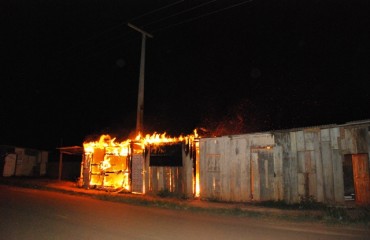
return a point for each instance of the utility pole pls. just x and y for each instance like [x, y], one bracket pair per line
[140, 100]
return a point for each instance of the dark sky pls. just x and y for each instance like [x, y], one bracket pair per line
[70, 69]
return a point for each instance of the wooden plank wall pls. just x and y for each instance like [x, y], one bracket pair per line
[312, 165]
[225, 168]
[211, 154]
[294, 197]
[278, 184]
[164, 178]
[177, 180]
[282, 147]
[187, 174]
[327, 166]
[306, 163]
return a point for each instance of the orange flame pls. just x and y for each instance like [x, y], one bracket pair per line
[108, 146]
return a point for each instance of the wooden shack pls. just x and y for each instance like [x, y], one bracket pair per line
[329, 164]
[140, 168]
[20, 161]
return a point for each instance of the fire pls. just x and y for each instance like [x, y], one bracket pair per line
[157, 138]
[109, 159]
[105, 164]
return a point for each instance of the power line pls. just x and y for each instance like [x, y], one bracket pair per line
[179, 13]
[121, 24]
[171, 25]
[204, 15]
[156, 10]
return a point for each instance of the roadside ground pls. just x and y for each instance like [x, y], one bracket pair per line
[349, 214]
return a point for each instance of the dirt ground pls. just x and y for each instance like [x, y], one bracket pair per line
[349, 214]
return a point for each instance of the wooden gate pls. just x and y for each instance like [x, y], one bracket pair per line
[361, 177]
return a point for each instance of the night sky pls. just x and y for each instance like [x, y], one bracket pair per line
[70, 69]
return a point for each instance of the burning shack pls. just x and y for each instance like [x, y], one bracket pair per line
[149, 164]
[328, 163]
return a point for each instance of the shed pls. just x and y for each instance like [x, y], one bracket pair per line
[327, 163]
[19, 161]
[138, 167]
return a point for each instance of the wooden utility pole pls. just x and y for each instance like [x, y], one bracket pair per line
[140, 100]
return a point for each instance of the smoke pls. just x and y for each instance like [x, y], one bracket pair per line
[241, 118]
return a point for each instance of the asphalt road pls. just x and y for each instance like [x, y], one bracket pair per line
[36, 214]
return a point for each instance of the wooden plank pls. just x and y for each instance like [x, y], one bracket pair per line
[334, 138]
[203, 176]
[327, 165]
[368, 144]
[181, 183]
[244, 170]
[301, 166]
[230, 155]
[263, 176]
[161, 179]
[248, 166]
[271, 173]
[311, 171]
[309, 140]
[210, 165]
[235, 171]
[154, 179]
[319, 166]
[177, 179]
[217, 169]
[301, 184]
[311, 164]
[338, 176]
[150, 186]
[146, 172]
[224, 173]
[255, 176]
[293, 169]
[300, 141]
[278, 170]
[361, 139]
[353, 139]
[171, 179]
[350, 141]
[168, 178]
[261, 139]
[312, 185]
[343, 142]
[325, 135]
[186, 180]
[284, 140]
[361, 178]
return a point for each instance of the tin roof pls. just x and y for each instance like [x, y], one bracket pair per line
[72, 150]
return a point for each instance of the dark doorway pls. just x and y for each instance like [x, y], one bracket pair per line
[349, 187]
